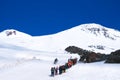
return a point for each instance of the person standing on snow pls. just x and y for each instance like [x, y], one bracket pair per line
[55, 61]
[52, 71]
[56, 71]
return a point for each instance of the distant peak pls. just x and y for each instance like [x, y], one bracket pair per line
[13, 33]
[99, 30]
[10, 32]
[94, 28]
[92, 25]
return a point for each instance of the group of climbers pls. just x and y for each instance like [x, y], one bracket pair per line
[62, 68]
[70, 63]
[54, 71]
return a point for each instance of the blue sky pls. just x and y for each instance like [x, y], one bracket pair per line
[42, 17]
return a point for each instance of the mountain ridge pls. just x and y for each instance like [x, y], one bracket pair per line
[86, 36]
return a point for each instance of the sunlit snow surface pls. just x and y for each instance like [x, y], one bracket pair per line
[28, 65]
[25, 57]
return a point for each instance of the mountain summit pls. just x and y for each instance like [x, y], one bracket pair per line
[92, 37]
[13, 33]
[101, 30]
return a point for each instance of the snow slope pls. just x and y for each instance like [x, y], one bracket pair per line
[31, 65]
[25, 57]
[39, 70]
[86, 36]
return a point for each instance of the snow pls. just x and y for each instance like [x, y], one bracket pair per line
[40, 70]
[25, 57]
[78, 36]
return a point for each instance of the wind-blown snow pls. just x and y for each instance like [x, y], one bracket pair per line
[25, 57]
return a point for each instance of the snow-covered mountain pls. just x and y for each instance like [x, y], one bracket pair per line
[26, 57]
[92, 36]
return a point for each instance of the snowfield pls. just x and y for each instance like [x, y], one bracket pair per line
[40, 70]
[25, 57]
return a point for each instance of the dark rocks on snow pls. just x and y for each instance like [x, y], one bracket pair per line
[114, 57]
[85, 55]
